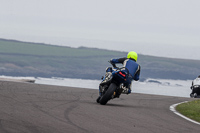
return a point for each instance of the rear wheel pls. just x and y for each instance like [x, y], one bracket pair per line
[108, 95]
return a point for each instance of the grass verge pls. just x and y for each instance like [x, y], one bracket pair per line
[190, 109]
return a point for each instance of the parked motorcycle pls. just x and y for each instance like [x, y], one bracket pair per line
[114, 84]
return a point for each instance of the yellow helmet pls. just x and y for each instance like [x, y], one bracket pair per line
[132, 55]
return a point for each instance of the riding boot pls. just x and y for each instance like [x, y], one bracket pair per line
[126, 89]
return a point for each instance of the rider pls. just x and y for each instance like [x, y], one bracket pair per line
[195, 87]
[128, 62]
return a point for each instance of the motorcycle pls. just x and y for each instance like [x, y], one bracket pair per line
[114, 83]
[195, 91]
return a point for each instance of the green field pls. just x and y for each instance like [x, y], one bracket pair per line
[30, 59]
[16, 47]
[41, 60]
[190, 110]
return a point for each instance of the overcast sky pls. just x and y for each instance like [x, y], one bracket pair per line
[168, 28]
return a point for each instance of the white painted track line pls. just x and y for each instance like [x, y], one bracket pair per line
[172, 108]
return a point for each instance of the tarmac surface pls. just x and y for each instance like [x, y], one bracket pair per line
[34, 108]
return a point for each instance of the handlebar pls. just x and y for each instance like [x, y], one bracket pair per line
[114, 65]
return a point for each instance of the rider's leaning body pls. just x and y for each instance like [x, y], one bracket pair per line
[196, 81]
[128, 62]
[131, 65]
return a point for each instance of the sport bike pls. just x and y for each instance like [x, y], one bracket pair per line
[114, 83]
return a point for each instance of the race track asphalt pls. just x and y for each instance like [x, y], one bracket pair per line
[34, 108]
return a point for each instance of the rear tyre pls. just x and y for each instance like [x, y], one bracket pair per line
[108, 95]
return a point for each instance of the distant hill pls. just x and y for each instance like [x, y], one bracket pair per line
[41, 60]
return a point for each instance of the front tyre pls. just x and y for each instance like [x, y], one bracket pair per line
[108, 95]
[98, 99]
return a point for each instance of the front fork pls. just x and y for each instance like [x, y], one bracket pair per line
[106, 80]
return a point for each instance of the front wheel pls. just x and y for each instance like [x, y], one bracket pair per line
[98, 99]
[108, 95]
